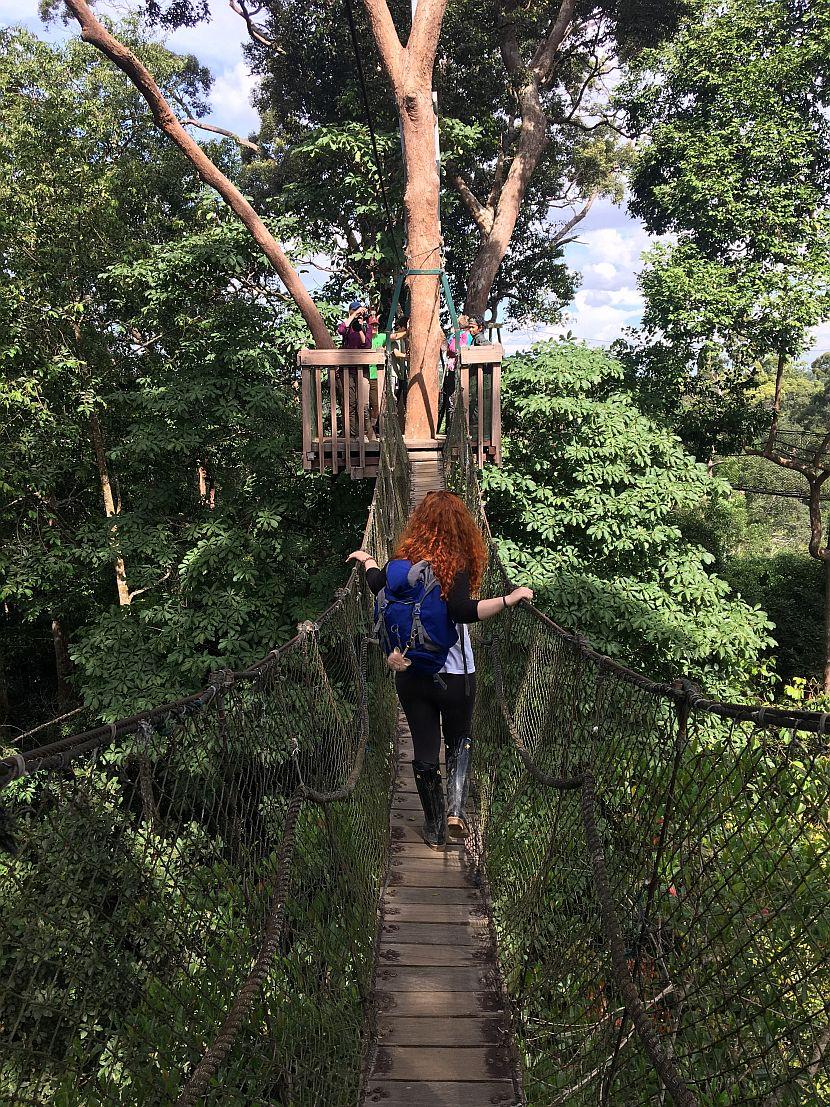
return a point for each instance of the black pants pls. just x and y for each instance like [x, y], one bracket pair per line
[429, 707]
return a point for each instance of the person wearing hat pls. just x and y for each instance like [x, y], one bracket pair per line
[356, 331]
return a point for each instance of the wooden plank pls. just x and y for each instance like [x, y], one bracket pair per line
[480, 415]
[362, 399]
[440, 862]
[408, 834]
[400, 1093]
[481, 355]
[430, 912]
[435, 978]
[407, 801]
[318, 391]
[430, 1004]
[347, 429]
[411, 851]
[408, 953]
[335, 358]
[492, 1030]
[473, 1063]
[305, 389]
[429, 934]
[465, 390]
[425, 878]
[333, 402]
[403, 894]
[497, 411]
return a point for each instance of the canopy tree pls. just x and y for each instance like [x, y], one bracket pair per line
[588, 507]
[735, 166]
[148, 499]
[528, 136]
[542, 72]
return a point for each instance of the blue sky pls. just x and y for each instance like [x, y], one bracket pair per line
[606, 253]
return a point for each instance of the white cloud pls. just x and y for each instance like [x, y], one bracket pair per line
[217, 44]
[231, 100]
[821, 341]
[606, 255]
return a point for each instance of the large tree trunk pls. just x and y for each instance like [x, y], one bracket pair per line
[826, 682]
[94, 32]
[410, 74]
[109, 507]
[423, 252]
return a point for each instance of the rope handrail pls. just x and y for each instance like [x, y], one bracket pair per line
[180, 866]
[658, 866]
[205, 875]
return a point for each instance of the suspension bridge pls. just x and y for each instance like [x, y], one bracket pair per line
[224, 899]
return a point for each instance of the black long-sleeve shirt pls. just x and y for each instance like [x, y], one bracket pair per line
[460, 607]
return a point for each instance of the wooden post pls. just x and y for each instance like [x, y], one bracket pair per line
[333, 402]
[318, 393]
[496, 422]
[305, 388]
[360, 385]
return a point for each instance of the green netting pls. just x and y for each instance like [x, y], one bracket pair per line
[652, 856]
[188, 900]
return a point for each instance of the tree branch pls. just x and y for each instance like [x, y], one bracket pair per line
[560, 235]
[481, 216]
[499, 175]
[423, 40]
[386, 37]
[141, 591]
[546, 51]
[256, 33]
[94, 32]
[245, 143]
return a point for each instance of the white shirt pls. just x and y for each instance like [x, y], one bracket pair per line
[455, 660]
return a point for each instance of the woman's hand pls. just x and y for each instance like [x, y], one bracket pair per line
[517, 595]
[361, 556]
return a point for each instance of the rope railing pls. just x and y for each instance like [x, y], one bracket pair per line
[657, 864]
[188, 897]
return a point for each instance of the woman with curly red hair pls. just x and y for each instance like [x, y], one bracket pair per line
[440, 547]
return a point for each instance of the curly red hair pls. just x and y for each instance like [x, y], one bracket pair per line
[442, 531]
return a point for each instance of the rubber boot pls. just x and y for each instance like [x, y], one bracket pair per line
[458, 785]
[431, 793]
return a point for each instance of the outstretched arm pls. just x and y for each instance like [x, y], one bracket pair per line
[462, 609]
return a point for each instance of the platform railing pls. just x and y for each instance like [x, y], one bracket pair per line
[480, 369]
[338, 431]
[340, 407]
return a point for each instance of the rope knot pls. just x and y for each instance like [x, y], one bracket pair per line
[221, 679]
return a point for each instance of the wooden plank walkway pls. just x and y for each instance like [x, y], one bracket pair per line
[441, 1034]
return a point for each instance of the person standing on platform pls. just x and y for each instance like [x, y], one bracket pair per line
[356, 332]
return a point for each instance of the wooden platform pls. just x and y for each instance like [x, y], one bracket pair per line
[441, 1034]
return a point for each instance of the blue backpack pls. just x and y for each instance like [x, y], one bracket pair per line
[411, 616]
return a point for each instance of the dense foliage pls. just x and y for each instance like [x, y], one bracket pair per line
[586, 507]
[138, 317]
[733, 164]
